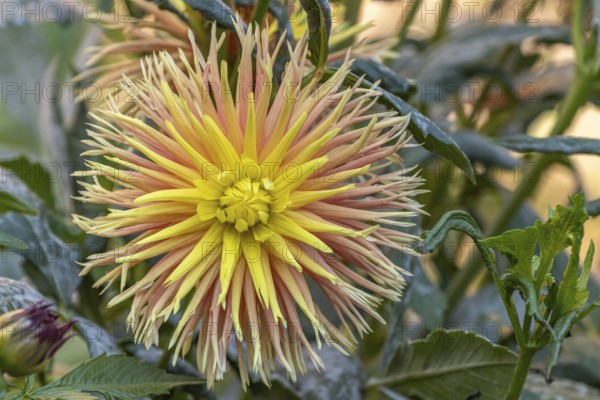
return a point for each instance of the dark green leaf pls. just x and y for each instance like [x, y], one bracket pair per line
[429, 134]
[153, 356]
[427, 300]
[48, 258]
[10, 241]
[537, 388]
[412, 264]
[554, 144]
[38, 177]
[484, 313]
[518, 279]
[452, 220]
[468, 49]
[163, 5]
[562, 329]
[318, 15]
[99, 341]
[374, 71]
[115, 377]
[580, 359]
[553, 236]
[15, 294]
[10, 203]
[519, 246]
[214, 10]
[479, 150]
[450, 365]
[592, 208]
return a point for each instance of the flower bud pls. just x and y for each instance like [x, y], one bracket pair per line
[29, 337]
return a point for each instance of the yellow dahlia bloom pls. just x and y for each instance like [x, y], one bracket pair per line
[247, 196]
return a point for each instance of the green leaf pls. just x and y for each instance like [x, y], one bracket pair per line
[98, 340]
[429, 134]
[374, 71]
[458, 221]
[318, 16]
[519, 246]
[480, 150]
[49, 261]
[468, 50]
[214, 10]
[7, 240]
[592, 208]
[38, 177]
[15, 294]
[537, 388]
[417, 285]
[554, 144]
[566, 298]
[114, 377]
[452, 220]
[10, 203]
[482, 311]
[519, 279]
[582, 293]
[562, 328]
[450, 365]
[554, 235]
[580, 359]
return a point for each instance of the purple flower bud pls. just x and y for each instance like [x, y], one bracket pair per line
[29, 337]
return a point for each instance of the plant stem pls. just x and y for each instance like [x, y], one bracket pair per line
[408, 20]
[576, 97]
[163, 361]
[441, 26]
[520, 375]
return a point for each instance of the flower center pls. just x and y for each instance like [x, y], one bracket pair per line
[244, 204]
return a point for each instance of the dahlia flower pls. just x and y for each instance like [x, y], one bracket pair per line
[29, 338]
[162, 30]
[247, 198]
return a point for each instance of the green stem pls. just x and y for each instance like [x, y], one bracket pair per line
[441, 26]
[165, 357]
[520, 375]
[260, 11]
[352, 11]
[576, 97]
[513, 315]
[527, 10]
[410, 17]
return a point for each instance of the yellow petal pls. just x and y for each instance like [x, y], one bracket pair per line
[279, 152]
[186, 173]
[294, 175]
[189, 225]
[286, 227]
[229, 258]
[220, 146]
[250, 137]
[206, 246]
[300, 198]
[183, 195]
